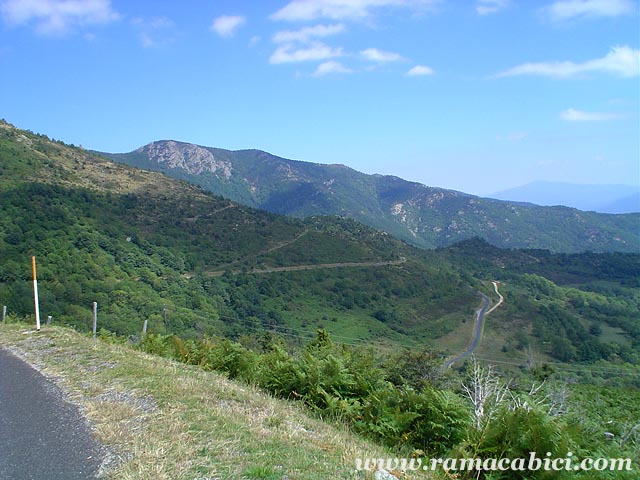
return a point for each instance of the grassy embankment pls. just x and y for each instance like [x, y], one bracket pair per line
[162, 419]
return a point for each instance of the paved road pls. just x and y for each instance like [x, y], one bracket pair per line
[42, 436]
[477, 331]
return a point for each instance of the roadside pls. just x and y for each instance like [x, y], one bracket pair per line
[165, 420]
[42, 435]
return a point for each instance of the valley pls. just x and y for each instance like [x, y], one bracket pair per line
[348, 321]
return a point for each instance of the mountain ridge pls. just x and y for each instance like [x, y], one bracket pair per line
[419, 214]
[142, 245]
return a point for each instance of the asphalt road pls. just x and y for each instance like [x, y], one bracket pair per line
[477, 332]
[42, 436]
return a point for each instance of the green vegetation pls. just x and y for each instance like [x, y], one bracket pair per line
[147, 253]
[146, 247]
[162, 420]
[420, 215]
[380, 396]
[361, 344]
[582, 307]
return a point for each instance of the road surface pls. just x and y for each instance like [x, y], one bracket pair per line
[479, 325]
[42, 436]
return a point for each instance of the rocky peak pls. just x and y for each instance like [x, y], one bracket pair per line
[193, 159]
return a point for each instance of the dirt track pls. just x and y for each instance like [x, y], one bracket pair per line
[318, 266]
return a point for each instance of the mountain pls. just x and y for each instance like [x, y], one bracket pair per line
[147, 247]
[347, 321]
[421, 215]
[598, 198]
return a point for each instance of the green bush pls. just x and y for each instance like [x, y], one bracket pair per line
[514, 433]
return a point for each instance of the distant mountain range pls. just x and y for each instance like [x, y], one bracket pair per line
[424, 216]
[597, 198]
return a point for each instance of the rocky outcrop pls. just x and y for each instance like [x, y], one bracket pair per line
[193, 159]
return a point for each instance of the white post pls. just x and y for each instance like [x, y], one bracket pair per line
[95, 318]
[4, 313]
[35, 293]
[49, 320]
[144, 327]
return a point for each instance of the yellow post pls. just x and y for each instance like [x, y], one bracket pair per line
[35, 292]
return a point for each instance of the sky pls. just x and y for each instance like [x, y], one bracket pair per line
[477, 95]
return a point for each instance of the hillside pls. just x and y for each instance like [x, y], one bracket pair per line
[162, 420]
[347, 321]
[575, 308]
[424, 216]
[147, 247]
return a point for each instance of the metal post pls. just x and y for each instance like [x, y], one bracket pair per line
[144, 327]
[4, 313]
[35, 293]
[95, 318]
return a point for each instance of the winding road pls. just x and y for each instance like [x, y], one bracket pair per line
[479, 325]
[42, 436]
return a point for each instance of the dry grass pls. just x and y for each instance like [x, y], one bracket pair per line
[163, 420]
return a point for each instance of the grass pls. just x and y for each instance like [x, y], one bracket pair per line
[164, 420]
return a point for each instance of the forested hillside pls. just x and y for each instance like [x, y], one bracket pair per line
[422, 215]
[351, 322]
[146, 247]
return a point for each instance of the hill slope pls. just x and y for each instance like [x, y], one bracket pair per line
[139, 405]
[147, 247]
[424, 216]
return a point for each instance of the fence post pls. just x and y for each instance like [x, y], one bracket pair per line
[49, 320]
[35, 292]
[144, 327]
[95, 318]
[4, 313]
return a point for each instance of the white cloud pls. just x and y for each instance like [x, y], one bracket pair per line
[573, 115]
[316, 51]
[304, 10]
[154, 32]
[53, 17]
[566, 9]
[330, 67]
[306, 34]
[420, 70]
[487, 7]
[622, 61]
[227, 25]
[375, 55]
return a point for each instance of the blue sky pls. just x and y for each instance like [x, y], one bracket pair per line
[477, 95]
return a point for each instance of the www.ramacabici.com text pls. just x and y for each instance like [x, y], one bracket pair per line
[532, 463]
